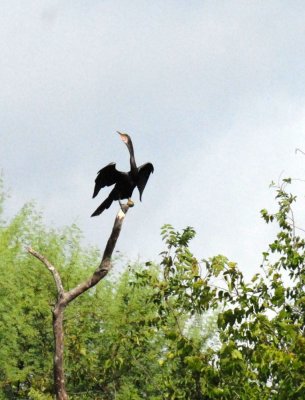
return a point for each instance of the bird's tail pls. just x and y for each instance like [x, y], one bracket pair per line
[105, 204]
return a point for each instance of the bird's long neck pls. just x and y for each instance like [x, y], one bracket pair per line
[133, 165]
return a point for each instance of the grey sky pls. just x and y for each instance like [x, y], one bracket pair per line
[211, 92]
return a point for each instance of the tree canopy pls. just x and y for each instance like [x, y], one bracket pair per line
[187, 328]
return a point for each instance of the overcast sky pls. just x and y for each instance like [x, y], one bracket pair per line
[211, 92]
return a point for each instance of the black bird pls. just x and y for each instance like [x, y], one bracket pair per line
[124, 182]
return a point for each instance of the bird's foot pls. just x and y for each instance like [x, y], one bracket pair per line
[130, 203]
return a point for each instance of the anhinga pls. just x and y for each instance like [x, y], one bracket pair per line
[124, 182]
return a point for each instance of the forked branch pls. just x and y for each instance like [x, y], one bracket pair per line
[64, 298]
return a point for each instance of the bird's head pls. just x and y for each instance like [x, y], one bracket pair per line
[125, 138]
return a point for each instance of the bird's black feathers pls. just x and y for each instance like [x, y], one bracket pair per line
[124, 182]
[144, 171]
[105, 204]
[106, 176]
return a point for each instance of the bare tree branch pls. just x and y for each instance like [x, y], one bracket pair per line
[64, 298]
[105, 265]
[51, 268]
[301, 151]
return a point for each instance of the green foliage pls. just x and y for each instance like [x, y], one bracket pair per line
[184, 329]
[26, 295]
[260, 323]
[37, 395]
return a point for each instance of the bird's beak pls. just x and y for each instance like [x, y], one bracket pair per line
[123, 137]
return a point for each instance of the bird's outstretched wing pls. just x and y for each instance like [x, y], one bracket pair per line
[105, 204]
[106, 176]
[144, 171]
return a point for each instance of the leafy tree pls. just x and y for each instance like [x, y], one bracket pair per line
[184, 329]
[260, 323]
[26, 293]
[110, 351]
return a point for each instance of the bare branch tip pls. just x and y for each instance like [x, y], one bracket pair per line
[122, 212]
[299, 150]
[121, 215]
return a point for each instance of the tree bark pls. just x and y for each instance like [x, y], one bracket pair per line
[64, 298]
[58, 331]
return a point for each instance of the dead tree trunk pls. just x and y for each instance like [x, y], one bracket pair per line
[58, 331]
[64, 298]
